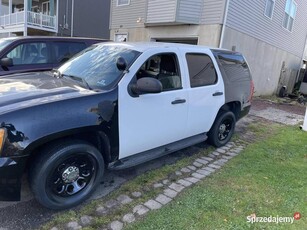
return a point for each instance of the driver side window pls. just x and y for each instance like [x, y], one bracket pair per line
[29, 53]
[163, 67]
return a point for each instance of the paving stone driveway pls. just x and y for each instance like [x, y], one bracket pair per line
[186, 177]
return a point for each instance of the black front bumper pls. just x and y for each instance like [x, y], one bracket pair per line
[11, 170]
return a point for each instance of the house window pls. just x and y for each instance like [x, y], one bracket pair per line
[290, 12]
[123, 2]
[46, 8]
[269, 8]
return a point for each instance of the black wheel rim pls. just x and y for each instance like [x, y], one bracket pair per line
[225, 128]
[72, 175]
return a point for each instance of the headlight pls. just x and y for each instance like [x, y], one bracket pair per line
[2, 138]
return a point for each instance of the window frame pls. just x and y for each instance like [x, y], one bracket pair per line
[126, 4]
[273, 8]
[292, 3]
[215, 69]
[46, 5]
[178, 67]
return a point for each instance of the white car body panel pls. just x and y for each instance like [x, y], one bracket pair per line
[150, 120]
[203, 106]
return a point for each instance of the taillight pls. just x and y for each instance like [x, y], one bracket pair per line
[2, 138]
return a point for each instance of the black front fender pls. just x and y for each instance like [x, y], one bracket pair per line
[11, 170]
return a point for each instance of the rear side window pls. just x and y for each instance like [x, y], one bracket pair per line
[29, 53]
[65, 50]
[201, 70]
[234, 66]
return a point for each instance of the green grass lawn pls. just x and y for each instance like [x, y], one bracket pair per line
[269, 178]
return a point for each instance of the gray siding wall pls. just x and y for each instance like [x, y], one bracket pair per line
[160, 11]
[247, 16]
[126, 16]
[213, 12]
[91, 18]
[265, 61]
[189, 11]
[64, 15]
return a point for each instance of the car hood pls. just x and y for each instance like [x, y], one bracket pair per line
[29, 89]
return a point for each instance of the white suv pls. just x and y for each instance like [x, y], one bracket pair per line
[115, 105]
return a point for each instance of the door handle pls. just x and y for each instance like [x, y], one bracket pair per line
[217, 94]
[179, 101]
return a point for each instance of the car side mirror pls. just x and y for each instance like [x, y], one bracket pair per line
[121, 64]
[6, 62]
[146, 85]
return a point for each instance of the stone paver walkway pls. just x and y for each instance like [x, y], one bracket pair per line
[186, 177]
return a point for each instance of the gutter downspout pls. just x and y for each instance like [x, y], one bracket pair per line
[224, 23]
[72, 18]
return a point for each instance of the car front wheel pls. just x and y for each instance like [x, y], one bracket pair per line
[66, 174]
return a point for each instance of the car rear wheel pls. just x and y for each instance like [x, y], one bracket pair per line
[222, 129]
[66, 174]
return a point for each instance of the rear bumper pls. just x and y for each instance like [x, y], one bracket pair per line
[244, 112]
[11, 170]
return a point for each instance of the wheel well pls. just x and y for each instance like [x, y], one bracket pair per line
[234, 107]
[98, 139]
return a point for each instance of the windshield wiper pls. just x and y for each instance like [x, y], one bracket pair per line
[58, 74]
[78, 79]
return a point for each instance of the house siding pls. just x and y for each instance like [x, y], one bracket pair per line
[161, 11]
[208, 12]
[247, 16]
[127, 16]
[64, 16]
[267, 62]
[97, 25]
[213, 12]
[189, 11]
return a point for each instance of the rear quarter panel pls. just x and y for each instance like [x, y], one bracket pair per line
[237, 80]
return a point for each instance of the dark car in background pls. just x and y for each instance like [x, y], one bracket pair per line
[24, 54]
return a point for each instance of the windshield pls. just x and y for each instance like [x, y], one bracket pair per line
[97, 65]
[4, 43]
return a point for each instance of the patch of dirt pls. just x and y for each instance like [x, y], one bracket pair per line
[291, 107]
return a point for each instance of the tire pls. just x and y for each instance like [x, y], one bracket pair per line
[65, 174]
[222, 129]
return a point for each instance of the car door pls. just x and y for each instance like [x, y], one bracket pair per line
[205, 90]
[151, 120]
[28, 56]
